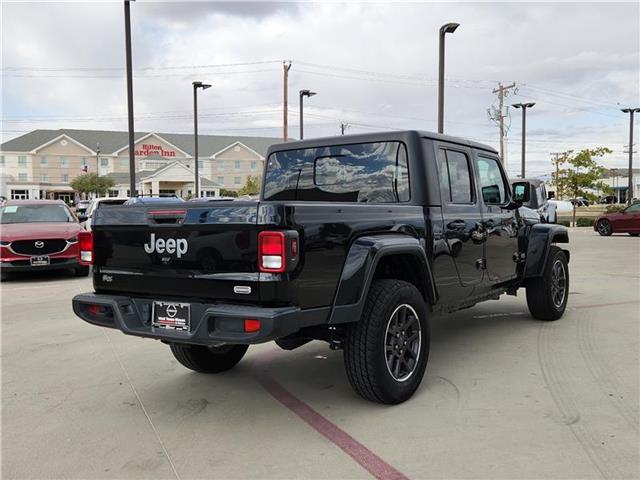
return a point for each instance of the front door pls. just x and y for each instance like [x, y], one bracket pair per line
[499, 224]
[461, 213]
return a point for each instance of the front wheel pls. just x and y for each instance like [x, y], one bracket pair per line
[547, 295]
[604, 228]
[208, 359]
[386, 352]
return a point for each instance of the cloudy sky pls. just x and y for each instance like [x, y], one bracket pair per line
[374, 66]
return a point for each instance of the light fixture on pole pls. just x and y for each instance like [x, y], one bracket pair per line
[524, 107]
[196, 86]
[303, 93]
[630, 111]
[132, 153]
[447, 28]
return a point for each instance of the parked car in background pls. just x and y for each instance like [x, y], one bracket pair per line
[625, 221]
[153, 200]
[96, 203]
[539, 200]
[81, 207]
[38, 235]
[608, 200]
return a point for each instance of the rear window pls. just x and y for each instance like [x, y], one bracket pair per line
[365, 172]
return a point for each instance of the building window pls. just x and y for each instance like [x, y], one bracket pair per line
[23, 177]
[254, 165]
[124, 162]
[65, 178]
[237, 180]
[64, 162]
[200, 164]
[104, 162]
[220, 164]
[44, 177]
[221, 180]
[19, 194]
[113, 193]
[237, 166]
[1, 159]
[44, 161]
[22, 161]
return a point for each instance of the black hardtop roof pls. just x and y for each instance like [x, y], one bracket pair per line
[376, 137]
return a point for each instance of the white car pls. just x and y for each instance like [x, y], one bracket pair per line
[85, 220]
[563, 207]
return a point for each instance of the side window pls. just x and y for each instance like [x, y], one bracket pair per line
[635, 208]
[492, 184]
[455, 177]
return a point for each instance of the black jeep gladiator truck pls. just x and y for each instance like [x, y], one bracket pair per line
[356, 240]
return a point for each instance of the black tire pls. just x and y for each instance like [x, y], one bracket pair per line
[4, 276]
[208, 359]
[543, 297]
[81, 271]
[604, 227]
[368, 342]
[634, 234]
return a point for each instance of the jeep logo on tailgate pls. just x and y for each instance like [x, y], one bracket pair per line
[179, 246]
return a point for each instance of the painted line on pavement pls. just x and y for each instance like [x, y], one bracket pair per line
[368, 460]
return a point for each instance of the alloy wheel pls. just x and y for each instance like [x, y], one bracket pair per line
[403, 340]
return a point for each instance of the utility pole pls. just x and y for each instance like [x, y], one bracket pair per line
[630, 111]
[556, 162]
[343, 127]
[497, 115]
[285, 111]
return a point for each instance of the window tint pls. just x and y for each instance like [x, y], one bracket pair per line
[368, 172]
[492, 183]
[455, 178]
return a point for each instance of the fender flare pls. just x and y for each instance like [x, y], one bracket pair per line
[359, 268]
[540, 238]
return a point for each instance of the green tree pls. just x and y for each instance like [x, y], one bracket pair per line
[228, 193]
[583, 174]
[92, 183]
[252, 187]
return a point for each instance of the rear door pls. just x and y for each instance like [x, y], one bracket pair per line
[201, 251]
[461, 212]
[499, 224]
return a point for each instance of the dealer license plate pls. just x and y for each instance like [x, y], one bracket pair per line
[171, 316]
[40, 261]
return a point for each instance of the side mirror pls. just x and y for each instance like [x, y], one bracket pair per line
[521, 192]
[551, 195]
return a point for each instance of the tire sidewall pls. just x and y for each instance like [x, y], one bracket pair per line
[604, 222]
[401, 391]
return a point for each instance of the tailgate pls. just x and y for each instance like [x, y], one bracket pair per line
[197, 251]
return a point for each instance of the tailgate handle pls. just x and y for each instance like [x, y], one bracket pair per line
[167, 216]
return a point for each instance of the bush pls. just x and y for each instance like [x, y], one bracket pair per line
[614, 208]
[585, 222]
[565, 223]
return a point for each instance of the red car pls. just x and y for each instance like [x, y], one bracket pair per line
[626, 221]
[38, 235]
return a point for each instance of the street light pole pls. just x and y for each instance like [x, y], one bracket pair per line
[303, 93]
[196, 86]
[524, 107]
[132, 153]
[630, 111]
[447, 28]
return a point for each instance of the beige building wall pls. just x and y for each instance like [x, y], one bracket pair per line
[231, 167]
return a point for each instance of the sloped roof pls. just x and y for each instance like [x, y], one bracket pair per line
[121, 178]
[110, 141]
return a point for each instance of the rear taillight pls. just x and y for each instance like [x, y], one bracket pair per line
[271, 252]
[85, 248]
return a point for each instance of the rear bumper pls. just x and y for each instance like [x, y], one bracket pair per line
[211, 324]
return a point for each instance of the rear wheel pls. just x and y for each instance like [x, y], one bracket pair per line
[547, 295]
[208, 359]
[604, 227]
[385, 353]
